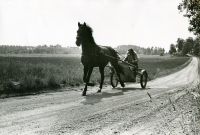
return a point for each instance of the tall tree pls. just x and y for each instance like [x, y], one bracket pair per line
[179, 44]
[163, 50]
[192, 8]
[152, 50]
[148, 51]
[188, 46]
[172, 49]
[190, 41]
[155, 51]
[196, 46]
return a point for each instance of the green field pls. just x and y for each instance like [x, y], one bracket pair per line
[40, 55]
[159, 66]
[24, 73]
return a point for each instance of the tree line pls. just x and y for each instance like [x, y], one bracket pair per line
[141, 50]
[58, 49]
[185, 46]
[40, 49]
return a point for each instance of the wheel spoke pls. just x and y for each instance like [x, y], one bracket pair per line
[113, 80]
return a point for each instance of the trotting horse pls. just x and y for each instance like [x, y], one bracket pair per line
[94, 55]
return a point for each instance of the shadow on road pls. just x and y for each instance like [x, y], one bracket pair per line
[131, 89]
[96, 98]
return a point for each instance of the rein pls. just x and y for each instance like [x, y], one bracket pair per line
[99, 48]
[108, 56]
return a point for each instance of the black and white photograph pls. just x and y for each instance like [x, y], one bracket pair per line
[99, 67]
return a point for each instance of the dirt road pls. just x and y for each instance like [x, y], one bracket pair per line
[114, 111]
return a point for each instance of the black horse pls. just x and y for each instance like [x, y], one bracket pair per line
[94, 55]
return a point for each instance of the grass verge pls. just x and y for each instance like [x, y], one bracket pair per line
[164, 72]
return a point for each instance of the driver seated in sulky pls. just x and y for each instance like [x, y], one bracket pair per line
[132, 58]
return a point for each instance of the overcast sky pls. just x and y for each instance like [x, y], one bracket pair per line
[143, 23]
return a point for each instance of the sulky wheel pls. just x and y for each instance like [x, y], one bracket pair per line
[113, 80]
[143, 79]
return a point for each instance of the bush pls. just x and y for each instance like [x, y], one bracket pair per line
[39, 83]
[53, 83]
[178, 54]
[8, 87]
[27, 83]
[161, 54]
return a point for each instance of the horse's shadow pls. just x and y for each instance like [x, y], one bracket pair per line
[97, 97]
[131, 89]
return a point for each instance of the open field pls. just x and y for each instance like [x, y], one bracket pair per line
[72, 55]
[40, 55]
[26, 73]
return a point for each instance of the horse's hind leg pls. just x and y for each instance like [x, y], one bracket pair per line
[101, 69]
[87, 80]
[122, 84]
[115, 65]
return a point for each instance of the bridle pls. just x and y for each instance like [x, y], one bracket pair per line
[80, 37]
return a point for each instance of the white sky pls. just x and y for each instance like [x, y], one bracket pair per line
[143, 23]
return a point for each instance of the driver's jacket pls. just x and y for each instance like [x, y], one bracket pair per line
[133, 59]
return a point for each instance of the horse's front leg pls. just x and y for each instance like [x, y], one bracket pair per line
[101, 69]
[87, 80]
[85, 71]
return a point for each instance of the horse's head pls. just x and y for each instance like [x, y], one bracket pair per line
[84, 34]
[81, 33]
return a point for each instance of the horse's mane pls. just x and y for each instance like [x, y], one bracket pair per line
[89, 31]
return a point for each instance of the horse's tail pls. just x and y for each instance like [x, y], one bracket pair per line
[114, 61]
[121, 69]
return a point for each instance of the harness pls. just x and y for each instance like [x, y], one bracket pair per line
[95, 49]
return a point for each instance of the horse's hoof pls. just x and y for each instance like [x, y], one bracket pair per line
[123, 85]
[84, 94]
[99, 91]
